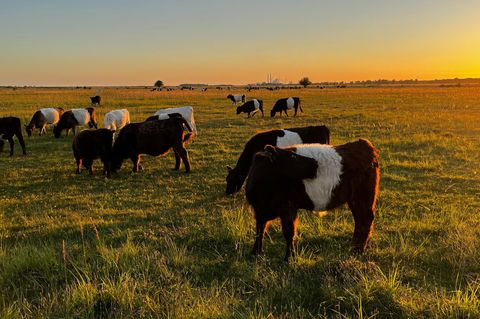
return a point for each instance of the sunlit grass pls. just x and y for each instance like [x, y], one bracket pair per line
[165, 244]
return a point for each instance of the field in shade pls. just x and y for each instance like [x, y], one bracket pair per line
[161, 243]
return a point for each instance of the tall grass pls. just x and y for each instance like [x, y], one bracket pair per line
[165, 244]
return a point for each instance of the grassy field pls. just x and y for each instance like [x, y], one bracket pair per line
[165, 244]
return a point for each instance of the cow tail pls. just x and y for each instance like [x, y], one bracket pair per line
[186, 137]
[184, 122]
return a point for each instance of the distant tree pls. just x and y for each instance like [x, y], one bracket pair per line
[305, 82]
[158, 84]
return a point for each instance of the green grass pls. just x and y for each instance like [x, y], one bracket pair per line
[165, 244]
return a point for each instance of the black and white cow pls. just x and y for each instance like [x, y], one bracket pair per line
[116, 119]
[314, 177]
[236, 98]
[9, 127]
[95, 99]
[298, 135]
[75, 117]
[185, 111]
[251, 107]
[42, 118]
[285, 104]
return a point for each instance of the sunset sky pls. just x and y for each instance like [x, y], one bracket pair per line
[122, 42]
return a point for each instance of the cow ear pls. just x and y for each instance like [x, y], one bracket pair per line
[271, 152]
[229, 168]
[271, 149]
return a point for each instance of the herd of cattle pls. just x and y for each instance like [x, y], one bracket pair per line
[285, 170]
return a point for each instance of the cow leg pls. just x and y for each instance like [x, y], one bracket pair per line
[21, 141]
[362, 205]
[182, 152]
[106, 166]
[253, 114]
[12, 143]
[248, 115]
[88, 163]
[178, 160]
[289, 227]
[285, 112]
[79, 165]
[363, 217]
[136, 162]
[260, 230]
[295, 114]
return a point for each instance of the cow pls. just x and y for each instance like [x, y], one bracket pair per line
[298, 135]
[235, 98]
[75, 117]
[313, 177]
[89, 145]
[251, 106]
[285, 104]
[42, 118]
[186, 138]
[11, 126]
[116, 119]
[154, 138]
[185, 111]
[95, 99]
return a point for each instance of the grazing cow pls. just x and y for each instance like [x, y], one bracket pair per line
[235, 98]
[9, 127]
[313, 177]
[116, 119]
[251, 107]
[298, 135]
[95, 99]
[154, 138]
[42, 118]
[75, 117]
[186, 137]
[285, 104]
[185, 111]
[89, 145]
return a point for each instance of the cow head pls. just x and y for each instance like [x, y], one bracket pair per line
[93, 117]
[29, 128]
[235, 180]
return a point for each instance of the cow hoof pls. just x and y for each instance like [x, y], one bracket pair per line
[356, 251]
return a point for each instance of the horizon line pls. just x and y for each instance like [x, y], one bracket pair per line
[244, 84]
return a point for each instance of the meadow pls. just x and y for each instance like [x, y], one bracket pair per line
[167, 244]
